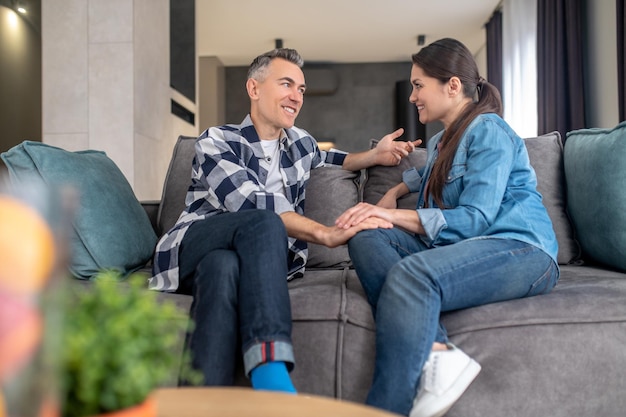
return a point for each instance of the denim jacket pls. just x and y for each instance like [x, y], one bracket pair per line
[491, 190]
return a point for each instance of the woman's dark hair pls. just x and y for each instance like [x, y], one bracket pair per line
[444, 59]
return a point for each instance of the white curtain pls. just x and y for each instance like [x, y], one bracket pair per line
[519, 65]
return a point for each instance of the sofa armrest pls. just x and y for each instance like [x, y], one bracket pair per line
[152, 210]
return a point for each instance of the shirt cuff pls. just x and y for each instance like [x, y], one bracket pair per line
[412, 179]
[433, 223]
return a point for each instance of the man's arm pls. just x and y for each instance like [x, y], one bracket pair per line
[308, 230]
[388, 152]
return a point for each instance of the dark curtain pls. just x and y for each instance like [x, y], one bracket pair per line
[494, 49]
[621, 57]
[560, 81]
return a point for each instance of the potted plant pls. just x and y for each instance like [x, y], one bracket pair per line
[118, 344]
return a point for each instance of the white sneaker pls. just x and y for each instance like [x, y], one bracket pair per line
[446, 375]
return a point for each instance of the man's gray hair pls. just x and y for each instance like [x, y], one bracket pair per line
[261, 62]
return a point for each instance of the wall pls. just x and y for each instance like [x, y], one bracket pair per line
[106, 85]
[601, 86]
[211, 76]
[20, 79]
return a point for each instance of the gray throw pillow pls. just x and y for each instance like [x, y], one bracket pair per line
[546, 157]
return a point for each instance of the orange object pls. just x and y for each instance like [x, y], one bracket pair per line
[27, 247]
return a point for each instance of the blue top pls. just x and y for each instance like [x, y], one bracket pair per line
[491, 190]
[226, 177]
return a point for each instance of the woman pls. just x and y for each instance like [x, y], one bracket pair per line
[479, 235]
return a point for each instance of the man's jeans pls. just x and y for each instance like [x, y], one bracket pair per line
[235, 266]
[409, 285]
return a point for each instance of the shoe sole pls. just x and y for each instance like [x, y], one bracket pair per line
[440, 405]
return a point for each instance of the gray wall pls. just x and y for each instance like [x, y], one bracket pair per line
[20, 79]
[362, 108]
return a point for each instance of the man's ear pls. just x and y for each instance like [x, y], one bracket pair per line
[454, 86]
[252, 88]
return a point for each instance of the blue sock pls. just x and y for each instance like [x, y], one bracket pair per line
[272, 376]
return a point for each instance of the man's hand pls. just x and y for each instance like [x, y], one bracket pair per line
[390, 152]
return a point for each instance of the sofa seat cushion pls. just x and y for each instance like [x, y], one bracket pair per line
[584, 294]
[111, 229]
[596, 173]
[570, 340]
[333, 334]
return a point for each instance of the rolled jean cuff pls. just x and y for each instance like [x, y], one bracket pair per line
[262, 352]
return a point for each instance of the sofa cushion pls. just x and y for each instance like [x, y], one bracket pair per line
[111, 229]
[176, 183]
[546, 157]
[379, 179]
[330, 191]
[333, 334]
[595, 169]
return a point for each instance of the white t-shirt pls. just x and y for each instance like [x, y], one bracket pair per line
[271, 162]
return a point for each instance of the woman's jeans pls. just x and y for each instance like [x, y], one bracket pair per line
[235, 266]
[410, 285]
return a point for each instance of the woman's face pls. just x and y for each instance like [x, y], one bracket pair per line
[430, 96]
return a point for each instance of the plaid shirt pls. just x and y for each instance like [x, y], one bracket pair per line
[227, 177]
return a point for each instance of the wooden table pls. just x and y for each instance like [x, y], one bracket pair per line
[243, 402]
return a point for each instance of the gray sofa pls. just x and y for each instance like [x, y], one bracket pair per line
[560, 354]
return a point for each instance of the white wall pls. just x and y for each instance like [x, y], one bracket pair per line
[105, 85]
[602, 107]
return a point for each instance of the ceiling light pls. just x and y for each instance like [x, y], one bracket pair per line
[21, 10]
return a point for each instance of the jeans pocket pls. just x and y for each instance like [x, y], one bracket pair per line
[545, 282]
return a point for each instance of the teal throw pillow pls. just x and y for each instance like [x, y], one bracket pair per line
[595, 171]
[111, 230]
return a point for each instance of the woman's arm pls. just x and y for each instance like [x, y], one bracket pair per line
[390, 199]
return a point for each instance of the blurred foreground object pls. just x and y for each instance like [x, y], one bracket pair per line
[27, 248]
[28, 256]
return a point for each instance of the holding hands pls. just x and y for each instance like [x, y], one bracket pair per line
[360, 213]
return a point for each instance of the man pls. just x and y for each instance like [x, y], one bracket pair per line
[243, 233]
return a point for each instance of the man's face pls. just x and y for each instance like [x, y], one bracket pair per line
[277, 98]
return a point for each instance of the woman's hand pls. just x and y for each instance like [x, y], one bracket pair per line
[335, 236]
[360, 213]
